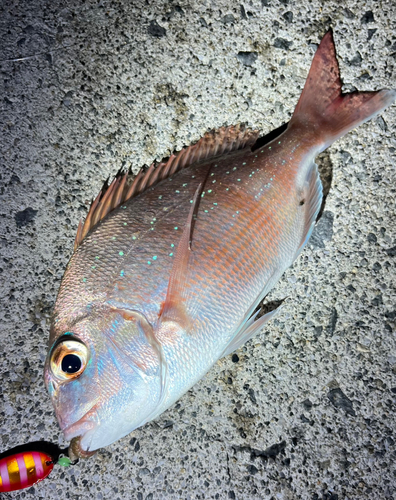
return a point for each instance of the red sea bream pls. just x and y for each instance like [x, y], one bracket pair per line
[168, 269]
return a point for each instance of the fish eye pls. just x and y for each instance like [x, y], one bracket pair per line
[68, 359]
[71, 363]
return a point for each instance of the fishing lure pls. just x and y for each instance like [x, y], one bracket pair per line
[24, 469]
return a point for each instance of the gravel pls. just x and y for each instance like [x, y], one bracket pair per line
[306, 410]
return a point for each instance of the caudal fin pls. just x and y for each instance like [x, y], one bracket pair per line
[322, 107]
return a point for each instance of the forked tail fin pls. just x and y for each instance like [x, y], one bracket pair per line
[322, 107]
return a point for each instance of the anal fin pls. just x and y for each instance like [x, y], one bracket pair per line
[249, 330]
[311, 202]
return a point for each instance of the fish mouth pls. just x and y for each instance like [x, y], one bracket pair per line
[78, 429]
[75, 450]
[83, 426]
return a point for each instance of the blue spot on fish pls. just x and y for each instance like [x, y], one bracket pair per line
[122, 273]
[154, 257]
[121, 253]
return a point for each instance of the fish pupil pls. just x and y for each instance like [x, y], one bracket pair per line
[71, 363]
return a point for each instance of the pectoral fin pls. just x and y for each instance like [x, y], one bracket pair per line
[174, 309]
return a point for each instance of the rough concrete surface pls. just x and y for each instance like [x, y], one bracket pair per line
[306, 410]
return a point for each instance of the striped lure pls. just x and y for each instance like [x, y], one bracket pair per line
[25, 469]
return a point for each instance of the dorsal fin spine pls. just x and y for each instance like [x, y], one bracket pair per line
[154, 177]
[115, 194]
[131, 191]
[146, 177]
[79, 234]
[88, 220]
[120, 191]
[105, 200]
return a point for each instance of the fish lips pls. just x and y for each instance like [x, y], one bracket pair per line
[83, 428]
[78, 429]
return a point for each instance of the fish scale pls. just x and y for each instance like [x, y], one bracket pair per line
[168, 270]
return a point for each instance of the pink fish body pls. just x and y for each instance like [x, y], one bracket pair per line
[168, 271]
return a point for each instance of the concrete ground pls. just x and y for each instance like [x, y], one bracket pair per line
[306, 410]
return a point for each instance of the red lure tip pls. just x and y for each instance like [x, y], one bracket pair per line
[25, 469]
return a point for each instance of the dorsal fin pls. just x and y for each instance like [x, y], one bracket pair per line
[125, 187]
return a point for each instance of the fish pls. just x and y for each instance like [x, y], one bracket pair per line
[21, 470]
[169, 267]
